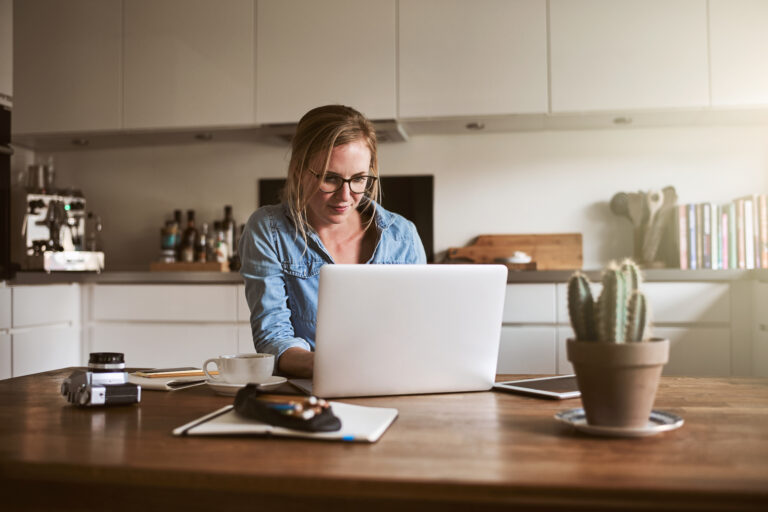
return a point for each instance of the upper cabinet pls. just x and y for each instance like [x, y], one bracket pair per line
[463, 58]
[311, 53]
[632, 54]
[188, 63]
[67, 68]
[738, 31]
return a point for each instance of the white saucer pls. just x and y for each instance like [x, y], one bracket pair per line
[659, 421]
[222, 388]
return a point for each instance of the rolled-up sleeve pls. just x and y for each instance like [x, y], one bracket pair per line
[265, 289]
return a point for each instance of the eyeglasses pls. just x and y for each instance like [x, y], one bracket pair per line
[333, 182]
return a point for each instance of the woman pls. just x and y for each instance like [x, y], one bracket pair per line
[329, 214]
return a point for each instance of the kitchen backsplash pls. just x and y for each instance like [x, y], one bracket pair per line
[532, 182]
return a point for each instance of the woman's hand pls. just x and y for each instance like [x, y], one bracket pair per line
[297, 362]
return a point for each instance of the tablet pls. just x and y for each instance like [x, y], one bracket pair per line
[560, 387]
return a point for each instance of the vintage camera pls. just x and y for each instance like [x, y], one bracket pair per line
[104, 383]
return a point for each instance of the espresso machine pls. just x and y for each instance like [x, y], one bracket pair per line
[55, 232]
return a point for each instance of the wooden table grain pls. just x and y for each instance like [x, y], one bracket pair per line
[464, 451]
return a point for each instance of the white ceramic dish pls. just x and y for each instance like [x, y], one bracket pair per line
[659, 421]
[222, 388]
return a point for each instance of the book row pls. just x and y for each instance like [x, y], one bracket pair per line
[724, 236]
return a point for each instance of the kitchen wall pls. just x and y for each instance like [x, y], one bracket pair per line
[531, 182]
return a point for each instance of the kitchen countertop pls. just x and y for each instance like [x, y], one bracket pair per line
[541, 276]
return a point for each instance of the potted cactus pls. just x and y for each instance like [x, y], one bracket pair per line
[617, 365]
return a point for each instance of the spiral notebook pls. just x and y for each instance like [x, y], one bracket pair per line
[358, 423]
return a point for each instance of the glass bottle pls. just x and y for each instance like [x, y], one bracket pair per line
[189, 239]
[220, 243]
[177, 240]
[92, 232]
[230, 230]
[201, 244]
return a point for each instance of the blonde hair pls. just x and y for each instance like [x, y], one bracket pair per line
[319, 131]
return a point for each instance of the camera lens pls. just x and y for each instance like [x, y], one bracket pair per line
[106, 361]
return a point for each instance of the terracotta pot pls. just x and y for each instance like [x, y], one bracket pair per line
[618, 381]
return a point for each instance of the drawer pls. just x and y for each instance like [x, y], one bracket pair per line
[159, 345]
[45, 304]
[5, 308]
[529, 303]
[243, 311]
[171, 303]
[673, 302]
[41, 349]
[527, 350]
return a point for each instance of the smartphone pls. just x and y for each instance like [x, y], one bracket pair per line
[558, 388]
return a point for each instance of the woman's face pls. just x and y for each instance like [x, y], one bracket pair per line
[333, 208]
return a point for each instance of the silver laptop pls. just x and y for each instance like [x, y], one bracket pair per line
[405, 329]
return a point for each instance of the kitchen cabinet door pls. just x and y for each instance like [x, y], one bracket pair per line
[67, 67]
[529, 304]
[245, 340]
[632, 54]
[164, 345]
[5, 356]
[760, 332]
[697, 352]
[527, 350]
[5, 308]
[465, 58]
[738, 47]
[188, 63]
[38, 305]
[311, 53]
[163, 303]
[41, 349]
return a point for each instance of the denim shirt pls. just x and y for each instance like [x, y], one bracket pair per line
[281, 277]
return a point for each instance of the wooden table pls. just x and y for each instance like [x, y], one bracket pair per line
[467, 451]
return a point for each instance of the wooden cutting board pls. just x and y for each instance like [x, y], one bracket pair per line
[560, 251]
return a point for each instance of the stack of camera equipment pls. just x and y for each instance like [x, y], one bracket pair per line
[104, 383]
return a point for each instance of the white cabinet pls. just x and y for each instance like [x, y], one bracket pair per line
[45, 328]
[245, 340]
[45, 305]
[164, 303]
[6, 52]
[760, 331]
[527, 350]
[159, 325]
[68, 67]
[528, 333]
[188, 63]
[164, 344]
[5, 356]
[45, 348]
[311, 53]
[696, 351]
[738, 36]
[5, 308]
[632, 54]
[484, 57]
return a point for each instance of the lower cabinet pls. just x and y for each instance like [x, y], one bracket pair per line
[760, 331]
[5, 356]
[697, 351]
[245, 340]
[164, 345]
[527, 350]
[41, 349]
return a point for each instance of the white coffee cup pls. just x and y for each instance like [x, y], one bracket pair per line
[241, 368]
